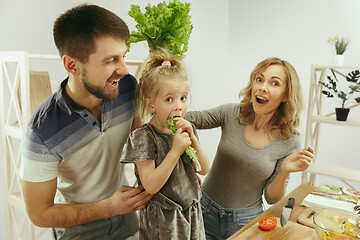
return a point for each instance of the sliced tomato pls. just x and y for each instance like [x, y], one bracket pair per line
[267, 223]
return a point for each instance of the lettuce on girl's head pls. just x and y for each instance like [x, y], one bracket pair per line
[163, 26]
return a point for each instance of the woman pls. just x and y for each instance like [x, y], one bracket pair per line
[258, 149]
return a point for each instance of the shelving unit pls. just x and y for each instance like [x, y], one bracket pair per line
[18, 99]
[316, 118]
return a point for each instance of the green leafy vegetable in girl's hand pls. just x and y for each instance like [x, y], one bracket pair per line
[163, 26]
[190, 151]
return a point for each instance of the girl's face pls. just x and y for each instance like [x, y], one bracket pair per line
[170, 101]
[269, 90]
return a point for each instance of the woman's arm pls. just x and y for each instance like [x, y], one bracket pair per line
[295, 162]
[153, 179]
[210, 118]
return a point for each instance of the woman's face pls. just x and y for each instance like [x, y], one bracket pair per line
[269, 90]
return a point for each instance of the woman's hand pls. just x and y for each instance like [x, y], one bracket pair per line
[295, 162]
[298, 161]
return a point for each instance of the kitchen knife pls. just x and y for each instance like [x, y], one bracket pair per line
[285, 214]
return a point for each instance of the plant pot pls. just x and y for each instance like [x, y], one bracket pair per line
[338, 60]
[342, 113]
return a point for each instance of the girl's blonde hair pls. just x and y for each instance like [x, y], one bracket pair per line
[288, 114]
[160, 64]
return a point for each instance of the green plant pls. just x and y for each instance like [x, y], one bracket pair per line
[163, 26]
[340, 44]
[334, 89]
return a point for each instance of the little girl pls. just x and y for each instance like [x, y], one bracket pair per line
[161, 165]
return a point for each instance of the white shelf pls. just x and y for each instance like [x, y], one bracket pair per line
[334, 171]
[315, 119]
[332, 120]
[320, 67]
[15, 199]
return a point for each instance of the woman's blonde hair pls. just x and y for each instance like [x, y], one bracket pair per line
[288, 114]
[160, 64]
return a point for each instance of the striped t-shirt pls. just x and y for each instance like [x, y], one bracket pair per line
[74, 147]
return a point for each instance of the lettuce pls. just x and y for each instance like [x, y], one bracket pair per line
[162, 26]
[190, 151]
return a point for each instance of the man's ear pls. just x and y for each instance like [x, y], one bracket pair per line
[71, 64]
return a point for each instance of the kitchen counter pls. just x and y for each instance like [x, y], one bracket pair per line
[292, 230]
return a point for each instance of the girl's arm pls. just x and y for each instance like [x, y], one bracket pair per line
[203, 158]
[295, 162]
[153, 179]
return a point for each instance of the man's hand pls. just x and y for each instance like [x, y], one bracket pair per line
[129, 199]
[39, 201]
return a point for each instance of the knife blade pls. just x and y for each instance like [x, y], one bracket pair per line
[285, 214]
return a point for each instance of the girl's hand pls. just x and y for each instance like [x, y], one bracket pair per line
[298, 161]
[185, 126]
[181, 141]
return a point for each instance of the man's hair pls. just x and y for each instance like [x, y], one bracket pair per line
[76, 30]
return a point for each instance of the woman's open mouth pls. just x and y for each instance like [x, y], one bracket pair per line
[261, 100]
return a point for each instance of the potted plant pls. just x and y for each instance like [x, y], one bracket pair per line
[352, 93]
[340, 44]
[162, 26]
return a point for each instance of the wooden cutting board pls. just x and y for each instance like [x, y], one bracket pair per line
[291, 231]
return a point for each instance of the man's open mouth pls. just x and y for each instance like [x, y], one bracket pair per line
[113, 82]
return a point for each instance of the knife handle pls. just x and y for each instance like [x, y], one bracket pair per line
[291, 202]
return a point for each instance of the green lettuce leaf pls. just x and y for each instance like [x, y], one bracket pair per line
[163, 26]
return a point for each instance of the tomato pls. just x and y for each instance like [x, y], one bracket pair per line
[267, 223]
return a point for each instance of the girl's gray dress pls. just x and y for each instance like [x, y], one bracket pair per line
[174, 212]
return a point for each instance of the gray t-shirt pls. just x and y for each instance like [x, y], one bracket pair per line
[174, 212]
[240, 172]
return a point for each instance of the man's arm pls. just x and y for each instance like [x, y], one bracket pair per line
[39, 201]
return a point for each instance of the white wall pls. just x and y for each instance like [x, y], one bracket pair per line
[229, 38]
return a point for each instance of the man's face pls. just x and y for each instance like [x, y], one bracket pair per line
[105, 67]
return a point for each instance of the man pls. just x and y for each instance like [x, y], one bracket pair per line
[72, 180]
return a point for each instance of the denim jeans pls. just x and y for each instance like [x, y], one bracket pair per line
[221, 223]
[118, 227]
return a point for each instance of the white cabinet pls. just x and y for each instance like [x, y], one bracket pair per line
[317, 118]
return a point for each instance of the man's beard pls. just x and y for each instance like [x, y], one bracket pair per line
[98, 91]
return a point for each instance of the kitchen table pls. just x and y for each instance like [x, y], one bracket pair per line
[292, 230]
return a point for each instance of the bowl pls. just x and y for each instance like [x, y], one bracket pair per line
[332, 224]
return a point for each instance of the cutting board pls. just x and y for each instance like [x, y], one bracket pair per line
[291, 231]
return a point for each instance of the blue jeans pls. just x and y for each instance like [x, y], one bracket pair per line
[221, 223]
[118, 227]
